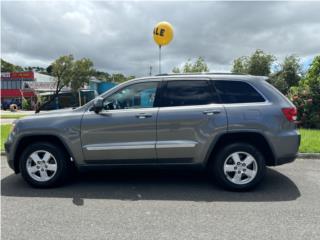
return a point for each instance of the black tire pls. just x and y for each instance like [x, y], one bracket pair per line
[62, 165]
[216, 166]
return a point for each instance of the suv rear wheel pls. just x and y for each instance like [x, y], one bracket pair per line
[239, 166]
[44, 165]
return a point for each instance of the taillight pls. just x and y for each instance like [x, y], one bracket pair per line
[290, 113]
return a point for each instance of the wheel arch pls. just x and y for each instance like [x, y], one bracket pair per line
[29, 139]
[256, 139]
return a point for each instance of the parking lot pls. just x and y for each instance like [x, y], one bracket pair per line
[163, 204]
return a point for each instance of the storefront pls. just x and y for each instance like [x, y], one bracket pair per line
[15, 87]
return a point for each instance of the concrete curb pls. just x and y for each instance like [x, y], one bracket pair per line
[309, 155]
[300, 155]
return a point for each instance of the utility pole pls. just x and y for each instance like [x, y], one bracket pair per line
[150, 72]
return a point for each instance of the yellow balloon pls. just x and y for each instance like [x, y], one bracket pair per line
[163, 33]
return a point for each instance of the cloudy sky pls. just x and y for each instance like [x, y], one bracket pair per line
[117, 36]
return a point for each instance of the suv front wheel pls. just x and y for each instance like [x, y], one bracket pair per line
[44, 165]
[238, 166]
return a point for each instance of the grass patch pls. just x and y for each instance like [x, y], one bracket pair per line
[310, 141]
[12, 116]
[5, 130]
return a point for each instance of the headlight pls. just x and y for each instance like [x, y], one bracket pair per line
[14, 124]
[13, 131]
[15, 127]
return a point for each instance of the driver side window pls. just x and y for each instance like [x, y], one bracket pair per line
[139, 95]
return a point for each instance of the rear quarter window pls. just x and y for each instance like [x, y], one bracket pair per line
[237, 92]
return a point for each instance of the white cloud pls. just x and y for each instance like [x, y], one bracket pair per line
[78, 21]
[117, 36]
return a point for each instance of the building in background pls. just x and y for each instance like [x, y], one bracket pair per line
[16, 86]
[100, 86]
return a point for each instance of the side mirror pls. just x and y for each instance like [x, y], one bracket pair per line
[97, 104]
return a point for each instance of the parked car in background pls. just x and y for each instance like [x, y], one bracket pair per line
[5, 105]
[232, 125]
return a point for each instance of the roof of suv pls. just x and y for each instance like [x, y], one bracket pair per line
[220, 76]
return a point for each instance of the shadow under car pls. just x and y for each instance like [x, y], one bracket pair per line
[155, 184]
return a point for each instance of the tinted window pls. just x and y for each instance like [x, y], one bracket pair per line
[186, 93]
[237, 92]
[140, 95]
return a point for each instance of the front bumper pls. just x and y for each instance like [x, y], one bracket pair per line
[10, 160]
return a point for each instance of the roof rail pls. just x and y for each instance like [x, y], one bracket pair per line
[200, 73]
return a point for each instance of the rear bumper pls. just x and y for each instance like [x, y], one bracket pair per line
[284, 160]
[287, 148]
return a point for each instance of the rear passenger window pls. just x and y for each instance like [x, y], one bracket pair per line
[237, 92]
[186, 93]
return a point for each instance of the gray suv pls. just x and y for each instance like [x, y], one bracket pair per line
[232, 125]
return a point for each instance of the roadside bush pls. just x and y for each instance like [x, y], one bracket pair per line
[25, 104]
[307, 106]
[306, 97]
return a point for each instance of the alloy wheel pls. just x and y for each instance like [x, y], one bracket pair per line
[240, 168]
[41, 165]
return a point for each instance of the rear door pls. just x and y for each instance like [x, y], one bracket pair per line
[189, 118]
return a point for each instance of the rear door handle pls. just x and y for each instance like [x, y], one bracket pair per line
[143, 115]
[211, 112]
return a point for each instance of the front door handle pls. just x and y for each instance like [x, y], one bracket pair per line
[211, 112]
[143, 115]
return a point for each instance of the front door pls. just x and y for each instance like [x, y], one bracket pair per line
[124, 132]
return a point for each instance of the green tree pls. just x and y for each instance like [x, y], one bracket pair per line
[240, 65]
[291, 70]
[313, 76]
[69, 73]
[115, 77]
[259, 64]
[187, 67]
[288, 75]
[120, 78]
[198, 66]
[25, 104]
[82, 70]
[9, 67]
[49, 69]
[277, 80]
[176, 70]
[130, 77]
[104, 76]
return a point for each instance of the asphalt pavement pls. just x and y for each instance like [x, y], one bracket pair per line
[162, 204]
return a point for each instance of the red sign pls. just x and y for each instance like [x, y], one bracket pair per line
[16, 93]
[17, 75]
